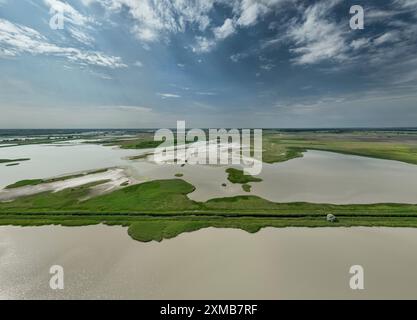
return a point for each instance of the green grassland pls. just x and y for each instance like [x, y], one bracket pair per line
[159, 210]
[13, 160]
[139, 141]
[280, 147]
[34, 182]
[23, 183]
[238, 176]
[149, 228]
[246, 187]
[142, 141]
[139, 144]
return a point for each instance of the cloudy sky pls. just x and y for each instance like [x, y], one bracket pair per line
[213, 63]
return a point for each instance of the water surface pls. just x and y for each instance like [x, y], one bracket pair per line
[102, 262]
[51, 160]
[318, 177]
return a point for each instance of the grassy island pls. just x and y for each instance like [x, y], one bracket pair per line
[34, 182]
[13, 160]
[238, 176]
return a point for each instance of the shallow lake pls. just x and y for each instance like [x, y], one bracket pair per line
[318, 177]
[103, 262]
[51, 160]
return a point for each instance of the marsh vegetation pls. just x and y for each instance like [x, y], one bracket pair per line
[160, 209]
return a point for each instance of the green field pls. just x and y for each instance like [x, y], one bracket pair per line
[161, 209]
[142, 141]
[280, 147]
[139, 144]
[13, 160]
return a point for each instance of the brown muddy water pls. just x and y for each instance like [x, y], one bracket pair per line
[102, 262]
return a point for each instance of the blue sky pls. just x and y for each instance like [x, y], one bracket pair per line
[213, 63]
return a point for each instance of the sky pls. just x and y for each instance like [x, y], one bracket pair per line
[212, 63]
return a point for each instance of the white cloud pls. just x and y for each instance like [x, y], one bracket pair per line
[204, 93]
[388, 37]
[377, 14]
[77, 21]
[179, 87]
[16, 39]
[138, 64]
[238, 56]
[251, 10]
[359, 43]
[87, 2]
[80, 36]
[145, 34]
[203, 45]
[267, 67]
[153, 19]
[134, 108]
[168, 95]
[101, 75]
[316, 38]
[407, 3]
[70, 13]
[226, 30]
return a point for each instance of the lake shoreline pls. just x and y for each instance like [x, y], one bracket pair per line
[158, 228]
